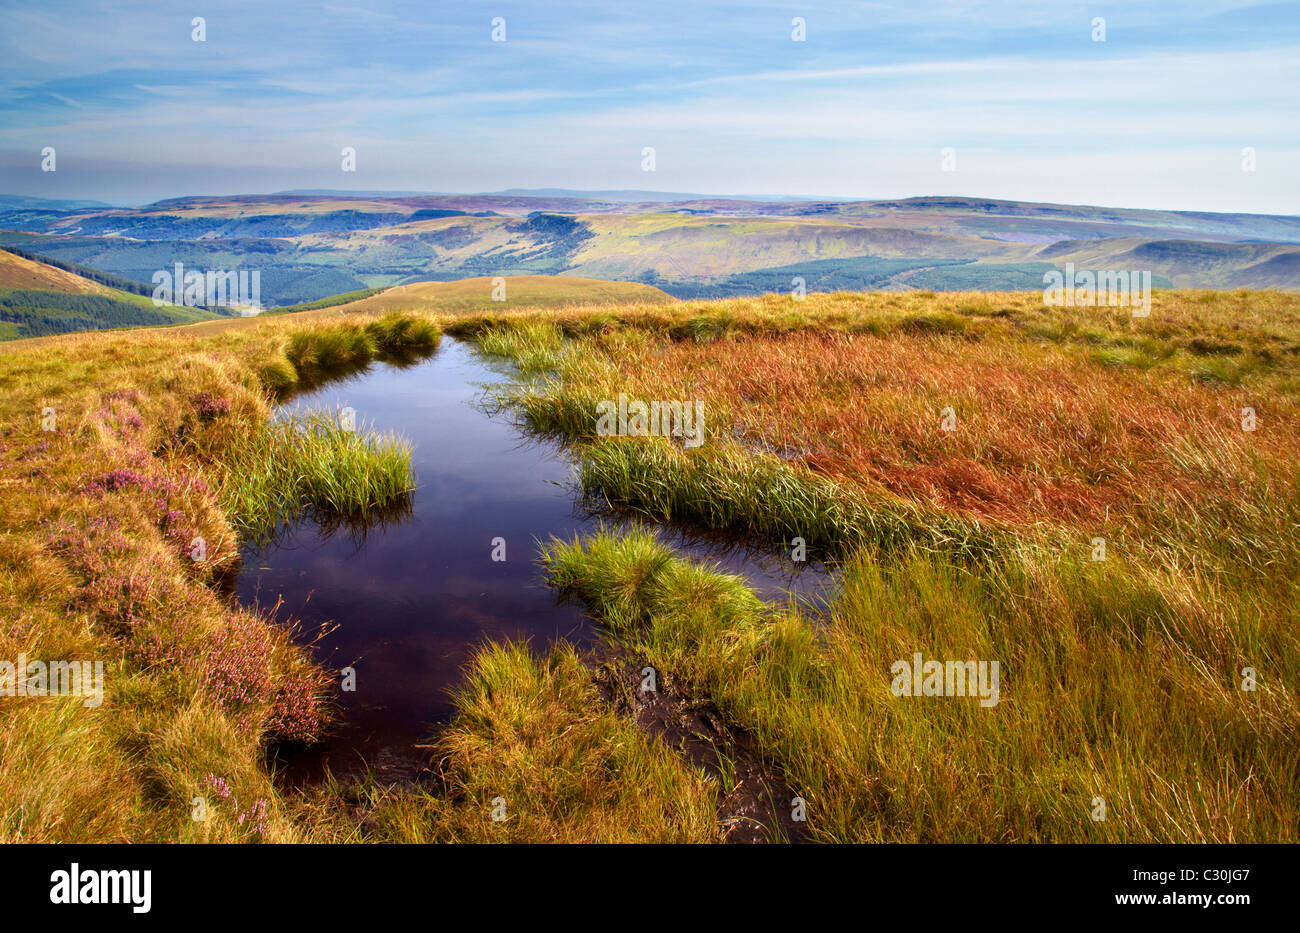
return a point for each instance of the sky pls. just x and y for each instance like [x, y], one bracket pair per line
[1018, 96]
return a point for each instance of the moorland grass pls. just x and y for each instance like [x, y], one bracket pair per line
[131, 465]
[532, 737]
[1123, 675]
[1121, 678]
[1117, 682]
[1041, 437]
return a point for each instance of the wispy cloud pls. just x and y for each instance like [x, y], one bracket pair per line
[1154, 116]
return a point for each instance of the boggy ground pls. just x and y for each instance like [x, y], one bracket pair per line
[1121, 679]
[1112, 517]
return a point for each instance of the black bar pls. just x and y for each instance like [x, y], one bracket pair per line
[256, 883]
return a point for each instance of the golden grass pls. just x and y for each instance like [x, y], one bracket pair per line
[534, 756]
[18, 272]
[521, 292]
[1121, 678]
[1116, 681]
[1036, 435]
[158, 441]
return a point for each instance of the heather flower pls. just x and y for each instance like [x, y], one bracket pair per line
[218, 785]
[116, 480]
[237, 670]
[256, 815]
[210, 407]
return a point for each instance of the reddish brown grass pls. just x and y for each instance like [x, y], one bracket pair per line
[1039, 434]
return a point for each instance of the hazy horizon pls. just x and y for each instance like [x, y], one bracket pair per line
[595, 193]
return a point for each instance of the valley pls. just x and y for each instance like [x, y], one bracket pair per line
[310, 247]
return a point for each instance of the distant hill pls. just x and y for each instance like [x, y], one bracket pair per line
[1188, 263]
[19, 272]
[38, 300]
[1032, 221]
[309, 246]
[635, 196]
[21, 203]
[465, 296]
[628, 195]
[527, 291]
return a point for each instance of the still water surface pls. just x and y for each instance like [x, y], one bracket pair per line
[409, 600]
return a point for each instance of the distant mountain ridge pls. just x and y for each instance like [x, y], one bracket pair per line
[21, 202]
[620, 194]
[635, 196]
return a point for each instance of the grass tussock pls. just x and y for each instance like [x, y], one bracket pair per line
[312, 463]
[1117, 682]
[532, 347]
[313, 355]
[732, 491]
[533, 745]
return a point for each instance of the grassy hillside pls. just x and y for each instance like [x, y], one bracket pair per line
[1188, 262]
[19, 272]
[107, 279]
[527, 291]
[30, 313]
[464, 296]
[38, 300]
[1123, 677]
[681, 247]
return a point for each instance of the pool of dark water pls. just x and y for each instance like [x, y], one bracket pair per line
[406, 601]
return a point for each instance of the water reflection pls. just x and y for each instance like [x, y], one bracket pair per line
[411, 592]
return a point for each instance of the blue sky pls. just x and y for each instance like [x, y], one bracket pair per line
[1155, 116]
